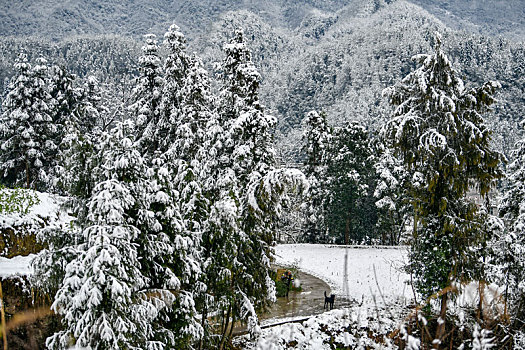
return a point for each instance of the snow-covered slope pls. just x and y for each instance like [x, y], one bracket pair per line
[56, 19]
[360, 273]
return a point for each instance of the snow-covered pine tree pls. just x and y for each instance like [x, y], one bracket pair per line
[71, 114]
[67, 97]
[438, 130]
[81, 149]
[176, 68]
[246, 197]
[349, 172]
[316, 137]
[512, 257]
[187, 156]
[147, 93]
[391, 197]
[111, 296]
[174, 206]
[77, 172]
[27, 128]
[99, 287]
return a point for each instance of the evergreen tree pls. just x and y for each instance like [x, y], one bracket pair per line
[438, 130]
[176, 68]
[174, 206]
[349, 214]
[391, 196]
[316, 138]
[67, 97]
[77, 172]
[512, 257]
[147, 92]
[27, 128]
[81, 151]
[112, 300]
[246, 197]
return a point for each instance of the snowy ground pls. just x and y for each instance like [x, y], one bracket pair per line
[45, 210]
[371, 276]
[367, 275]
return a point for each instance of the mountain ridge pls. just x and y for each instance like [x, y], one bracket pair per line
[58, 19]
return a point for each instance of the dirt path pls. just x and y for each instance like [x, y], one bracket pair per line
[308, 302]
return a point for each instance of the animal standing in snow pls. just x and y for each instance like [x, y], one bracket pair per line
[329, 300]
[287, 279]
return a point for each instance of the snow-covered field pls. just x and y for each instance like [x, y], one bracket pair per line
[371, 276]
[359, 273]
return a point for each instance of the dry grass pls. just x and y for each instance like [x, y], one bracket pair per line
[19, 319]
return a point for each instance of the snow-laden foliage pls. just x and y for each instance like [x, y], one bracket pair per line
[147, 93]
[316, 139]
[122, 287]
[438, 130]
[186, 186]
[246, 193]
[176, 68]
[28, 128]
[512, 253]
[81, 149]
[391, 196]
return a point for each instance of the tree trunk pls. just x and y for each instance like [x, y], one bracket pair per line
[440, 331]
[226, 323]
[231, 329]
[27, 173]
[3, 327]
[347, 229]
[481, 287]
[203, 324]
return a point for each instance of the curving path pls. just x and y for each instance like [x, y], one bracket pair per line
[298, 305]
[308, 302]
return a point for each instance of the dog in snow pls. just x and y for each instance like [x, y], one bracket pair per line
[329, 300]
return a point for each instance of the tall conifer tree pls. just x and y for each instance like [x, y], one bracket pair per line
[246, 195]
[316, 137]
[27, 128]
[438, 130]
[512, 256]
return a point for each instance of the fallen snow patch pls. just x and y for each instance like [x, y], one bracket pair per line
[18, 265]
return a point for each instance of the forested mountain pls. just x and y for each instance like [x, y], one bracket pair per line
[496, 17]
[58, 19]
[335, 55]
